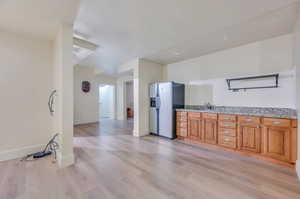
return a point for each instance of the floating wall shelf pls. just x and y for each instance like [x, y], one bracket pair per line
[257, 82]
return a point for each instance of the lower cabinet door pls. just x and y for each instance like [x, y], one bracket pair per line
[210, 131]
[194, 128]
[276, 143]
[227, 141]
[249, 138]
[182, 132]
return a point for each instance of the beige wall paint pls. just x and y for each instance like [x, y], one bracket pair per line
[145, 72]
[210, 71]
[86, 105]
[25, 83]
[296, 59]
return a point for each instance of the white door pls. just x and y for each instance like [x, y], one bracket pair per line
[106, 101]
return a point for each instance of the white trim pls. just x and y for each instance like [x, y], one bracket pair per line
[298, 168]
[137, 134]
[19, 153]
[65, 161]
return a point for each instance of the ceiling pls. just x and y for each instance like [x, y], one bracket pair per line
[38, 18]
[174, 30]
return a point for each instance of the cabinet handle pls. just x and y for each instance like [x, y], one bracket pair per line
[226, 118]
[226, 132]
[277, 122]
[226, 125]
[227, 139]
[248, 120]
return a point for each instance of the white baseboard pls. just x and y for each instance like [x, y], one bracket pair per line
[20, 152]
[66, 160]
[87, 122]
[298, 168]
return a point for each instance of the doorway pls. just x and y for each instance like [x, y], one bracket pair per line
[106, 101]
[129, 100]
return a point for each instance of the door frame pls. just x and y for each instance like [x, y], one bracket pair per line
[114, 99]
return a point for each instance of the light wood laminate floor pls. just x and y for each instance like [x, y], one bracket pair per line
[112, 164]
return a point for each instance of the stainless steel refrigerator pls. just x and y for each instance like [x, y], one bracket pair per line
[165, 97]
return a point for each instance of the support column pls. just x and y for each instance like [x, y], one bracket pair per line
[63, 83]
[145, 72]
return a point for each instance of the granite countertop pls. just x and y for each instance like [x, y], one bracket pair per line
[249, 111]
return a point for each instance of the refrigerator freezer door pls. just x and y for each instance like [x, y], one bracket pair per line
[165, 110]
[153, 115]
[153, 90]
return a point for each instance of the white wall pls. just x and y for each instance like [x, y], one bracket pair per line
[210, 71]
[145, 72]
[86, 106]
[296, 56]
[25, 83]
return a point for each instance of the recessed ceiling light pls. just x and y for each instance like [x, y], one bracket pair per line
[176, 53]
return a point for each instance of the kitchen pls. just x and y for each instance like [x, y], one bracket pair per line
[245, 110]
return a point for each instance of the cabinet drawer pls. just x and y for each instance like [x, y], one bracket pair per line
[181, 118]
[182, 132]
[227, 141]
[294, 123]
[194, 114]
[181, 113]
[277, 122]
[227, 132]
[210, 116]
[248, 119]
[224, 124]
[182, 124]
[225, 117]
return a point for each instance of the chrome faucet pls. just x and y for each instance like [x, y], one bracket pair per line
[209, 106]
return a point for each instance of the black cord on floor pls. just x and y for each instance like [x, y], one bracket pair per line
[50, 148]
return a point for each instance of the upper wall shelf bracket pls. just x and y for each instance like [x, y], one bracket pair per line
[253, 82]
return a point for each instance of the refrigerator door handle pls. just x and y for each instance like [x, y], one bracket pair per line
[157, 102]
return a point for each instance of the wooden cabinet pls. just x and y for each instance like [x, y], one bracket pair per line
[279, 139]
[271, 139]
[249, 138]
[276, 142]
[227, 131]
[181, 124]
[194, 126]
[249, 134]
[210, 131]
[227, 141]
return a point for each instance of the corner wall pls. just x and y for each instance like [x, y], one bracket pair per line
[296, 60]
[145, 72]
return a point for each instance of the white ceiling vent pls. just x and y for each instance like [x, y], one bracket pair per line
[82, 49]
